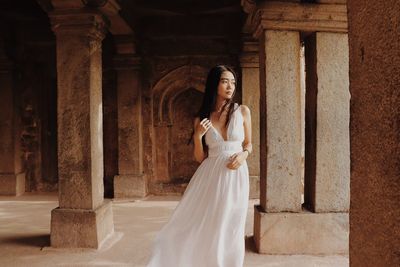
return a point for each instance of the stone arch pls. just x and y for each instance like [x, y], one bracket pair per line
[173, 84]
[185, 82]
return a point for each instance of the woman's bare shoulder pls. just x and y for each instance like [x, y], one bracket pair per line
[245, 110]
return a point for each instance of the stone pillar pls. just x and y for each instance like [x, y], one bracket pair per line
[327, 173]
[83, 218]
[130, 181]
[280, 121]
[12, 177]
[374, 36]
[249, 62]
[281, 224]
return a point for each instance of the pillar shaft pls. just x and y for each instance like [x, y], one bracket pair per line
[280, 121]
[80, 130]
[249, 62]
[130, 181]
[129, 121]
[327, 181]
[12, 178]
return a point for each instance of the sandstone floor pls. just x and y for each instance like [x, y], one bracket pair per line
[25, 235]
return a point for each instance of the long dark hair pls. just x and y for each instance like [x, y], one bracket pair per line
[210, 96]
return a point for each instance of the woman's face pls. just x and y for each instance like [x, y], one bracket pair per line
[226, 86]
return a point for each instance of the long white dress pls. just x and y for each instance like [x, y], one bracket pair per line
[206, 229]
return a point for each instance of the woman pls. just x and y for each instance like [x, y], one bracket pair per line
[207, 227]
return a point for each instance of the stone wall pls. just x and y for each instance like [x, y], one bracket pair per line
[177, 52]
[32, 49]
[173, 159]
[170, 46]
[374, 34]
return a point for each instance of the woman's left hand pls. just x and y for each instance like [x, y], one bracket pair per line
[236, 160]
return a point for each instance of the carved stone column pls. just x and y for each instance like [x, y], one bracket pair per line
[83, 218]
[249, 62]
[327, 173]
[12, 177]
[281, 224]
[280, 121]
[130, 181]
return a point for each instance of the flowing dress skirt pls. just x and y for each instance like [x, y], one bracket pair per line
[207, 227]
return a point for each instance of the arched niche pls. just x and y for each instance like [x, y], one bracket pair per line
[183, 109]
[176, 98]
[172, 84]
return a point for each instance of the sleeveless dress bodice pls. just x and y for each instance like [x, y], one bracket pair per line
[235, 136]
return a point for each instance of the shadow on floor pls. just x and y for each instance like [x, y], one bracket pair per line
[29, 240]
[250, 244]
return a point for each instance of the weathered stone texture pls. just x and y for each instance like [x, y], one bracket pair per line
[12, 184]
[249, 62]
[280, 121]
[130, 186]
[186, 105]
[80, 148]
[29, 46]
[129, 122]
[328, 147]
[78, 228]
[12, 177]
[375, 133]
[130, 181]
[332, 192]
[301, 233]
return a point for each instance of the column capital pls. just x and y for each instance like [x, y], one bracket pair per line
[290, 16]
[249, 6]
[125, 44]
[126, 57]
[249, 57]
[90, 23]
[108, 8]
[127, 61]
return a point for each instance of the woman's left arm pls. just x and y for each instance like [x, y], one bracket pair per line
[237, 159]
[247, 130]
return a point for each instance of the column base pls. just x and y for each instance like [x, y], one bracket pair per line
[79, 228]
[12, 184]
[254, 187]
[128, 186]
[301, 233]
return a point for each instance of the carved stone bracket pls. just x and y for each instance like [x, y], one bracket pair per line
[85, 23]
[294, 16]
[127, 61]
[125, 43]
[250, 55]
[249, 6]
[64, 11]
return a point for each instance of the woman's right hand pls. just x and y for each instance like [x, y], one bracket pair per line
[202, 127]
